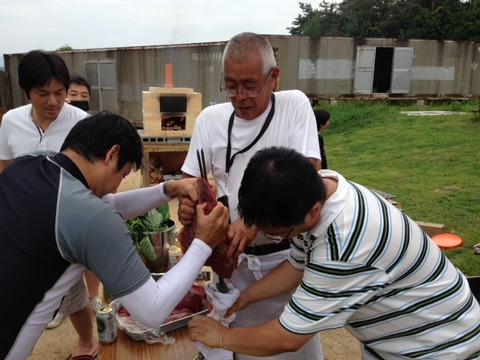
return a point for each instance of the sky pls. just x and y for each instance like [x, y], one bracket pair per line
[90, 24]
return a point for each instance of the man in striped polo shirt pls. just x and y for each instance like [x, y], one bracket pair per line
[356, 262]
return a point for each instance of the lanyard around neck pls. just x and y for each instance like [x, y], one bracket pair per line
[229, 160]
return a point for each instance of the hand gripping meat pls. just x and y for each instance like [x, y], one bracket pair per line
[218, 261]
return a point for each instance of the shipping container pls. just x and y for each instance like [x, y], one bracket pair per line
[323, 68]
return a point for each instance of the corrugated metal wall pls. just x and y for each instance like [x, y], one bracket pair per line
[320, 67]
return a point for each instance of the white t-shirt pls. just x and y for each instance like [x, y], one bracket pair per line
[293, 125]
[19, 134]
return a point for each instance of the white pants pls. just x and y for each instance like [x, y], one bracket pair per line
[76, 298]
[252, 268]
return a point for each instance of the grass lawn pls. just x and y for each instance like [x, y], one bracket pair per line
[430, 163]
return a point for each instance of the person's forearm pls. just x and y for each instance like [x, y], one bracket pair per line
[137, 202]
[266, 339]
[280, 280]
[153, 302]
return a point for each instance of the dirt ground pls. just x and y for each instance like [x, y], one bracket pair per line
[58, 343]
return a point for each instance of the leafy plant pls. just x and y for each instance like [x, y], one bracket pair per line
[155, 220]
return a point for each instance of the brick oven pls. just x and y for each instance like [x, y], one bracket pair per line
[169, 115]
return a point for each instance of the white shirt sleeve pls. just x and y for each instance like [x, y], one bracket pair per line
[154, 301]
[137, 202]
[5, 150]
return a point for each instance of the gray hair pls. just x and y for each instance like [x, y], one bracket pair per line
[245, 44]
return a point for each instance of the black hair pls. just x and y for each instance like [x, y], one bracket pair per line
[279, 188]
[38, 68]
[80, 80]
[94, 136]
[322, 116]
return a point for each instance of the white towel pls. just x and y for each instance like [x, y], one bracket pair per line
[220, 304]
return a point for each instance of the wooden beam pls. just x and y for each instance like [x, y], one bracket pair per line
[431, 229]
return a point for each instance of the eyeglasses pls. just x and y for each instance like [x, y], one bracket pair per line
[276, 238]
[249, 93]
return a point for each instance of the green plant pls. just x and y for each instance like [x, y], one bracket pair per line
[154, 220]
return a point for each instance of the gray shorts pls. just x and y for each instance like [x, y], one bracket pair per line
[76, 298]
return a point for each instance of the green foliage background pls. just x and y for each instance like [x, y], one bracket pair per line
[400, 19]
[430, 163]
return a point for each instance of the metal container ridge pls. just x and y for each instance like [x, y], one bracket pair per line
[161, 241]
[106, 326]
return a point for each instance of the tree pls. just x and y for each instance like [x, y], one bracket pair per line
[367, 18]
[323, 22]
[65, 47]
[301, 20]
[410, 21]
[404, 19]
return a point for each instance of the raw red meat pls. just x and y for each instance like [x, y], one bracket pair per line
[195, 300]
[178, 314]
[218, 261]
[123, 312]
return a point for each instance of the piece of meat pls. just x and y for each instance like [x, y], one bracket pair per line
[123, 312]
[218, 261]
[178, 314]
[194, 300]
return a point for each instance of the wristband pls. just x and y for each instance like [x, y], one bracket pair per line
[166, 192]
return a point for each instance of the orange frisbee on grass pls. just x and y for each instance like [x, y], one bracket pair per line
[447, 241]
